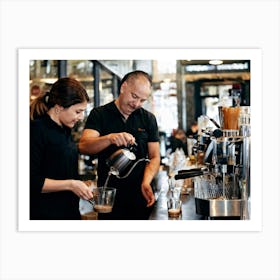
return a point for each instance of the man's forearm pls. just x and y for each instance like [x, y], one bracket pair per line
[93, 145]
[151, 170]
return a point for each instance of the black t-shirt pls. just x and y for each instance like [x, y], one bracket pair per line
[107, 119]
[53, 155]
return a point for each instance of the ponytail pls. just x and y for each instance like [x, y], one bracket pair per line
[39, 106]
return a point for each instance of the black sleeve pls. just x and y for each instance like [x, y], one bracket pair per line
[37, 179]
[94, 120]
[153, 129]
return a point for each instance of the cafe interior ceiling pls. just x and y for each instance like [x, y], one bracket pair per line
[206, 62]
[219, 77]
[120, 67]
[123, 66]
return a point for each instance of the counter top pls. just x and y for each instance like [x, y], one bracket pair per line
[188, 208]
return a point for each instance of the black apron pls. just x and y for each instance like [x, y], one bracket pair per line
[130, 203]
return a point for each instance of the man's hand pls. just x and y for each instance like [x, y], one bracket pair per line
[148, 194]
[121, 139]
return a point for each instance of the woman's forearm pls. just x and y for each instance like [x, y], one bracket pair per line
[51, 185]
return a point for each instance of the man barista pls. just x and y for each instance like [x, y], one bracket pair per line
[118, 124]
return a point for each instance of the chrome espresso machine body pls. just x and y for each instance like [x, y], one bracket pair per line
[222, 176]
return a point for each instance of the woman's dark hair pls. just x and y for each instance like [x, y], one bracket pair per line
[134, 75]
[64, 92]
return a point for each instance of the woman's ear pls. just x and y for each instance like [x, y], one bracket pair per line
[58, 108]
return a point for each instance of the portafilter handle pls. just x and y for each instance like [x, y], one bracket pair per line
[188, 175]
[184, 174]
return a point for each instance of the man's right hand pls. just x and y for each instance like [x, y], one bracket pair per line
[121, 139]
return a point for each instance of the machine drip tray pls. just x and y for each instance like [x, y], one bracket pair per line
[218, 207]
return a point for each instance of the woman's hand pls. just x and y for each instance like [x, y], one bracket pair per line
[81, 189]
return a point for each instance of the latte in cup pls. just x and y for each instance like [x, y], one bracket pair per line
[174, 207]
[174, 213]
[104, 199]
[103, 208]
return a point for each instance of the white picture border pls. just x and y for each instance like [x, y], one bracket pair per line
[24, 57]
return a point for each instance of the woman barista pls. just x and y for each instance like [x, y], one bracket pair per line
[54, 186]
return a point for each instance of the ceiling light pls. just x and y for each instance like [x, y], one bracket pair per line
[215, 62]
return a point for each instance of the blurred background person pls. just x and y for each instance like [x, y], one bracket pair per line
[35, 92]
[192, 135]
[178, 140]
[192, 131]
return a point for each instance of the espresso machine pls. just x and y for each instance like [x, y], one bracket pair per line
[222, 174]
